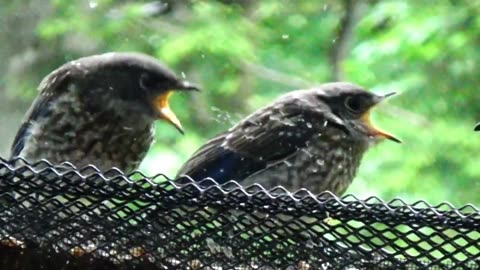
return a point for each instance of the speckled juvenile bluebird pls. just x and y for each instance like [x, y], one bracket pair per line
[99, 110]
[312, 139]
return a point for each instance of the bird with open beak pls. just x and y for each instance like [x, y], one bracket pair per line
[312, 139]
[99, 110]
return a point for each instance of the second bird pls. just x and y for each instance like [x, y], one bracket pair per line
[312, 139]
[99, 110]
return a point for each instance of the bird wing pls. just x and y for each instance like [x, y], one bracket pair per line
[266, 137]
[50, 88]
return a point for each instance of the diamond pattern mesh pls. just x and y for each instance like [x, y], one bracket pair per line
[63, 218]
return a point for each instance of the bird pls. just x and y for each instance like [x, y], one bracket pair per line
[311, 139]
[99, 110]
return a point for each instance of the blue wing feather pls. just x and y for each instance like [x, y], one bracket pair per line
[227, 165]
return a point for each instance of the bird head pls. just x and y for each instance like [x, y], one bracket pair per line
[131, 84]
[350, 107]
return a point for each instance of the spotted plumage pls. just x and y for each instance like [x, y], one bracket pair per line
[312, 139]
[99, 110]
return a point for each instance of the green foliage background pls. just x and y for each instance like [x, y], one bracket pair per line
[246, 53]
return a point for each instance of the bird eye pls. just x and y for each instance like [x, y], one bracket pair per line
[146, 81]
[353, 104]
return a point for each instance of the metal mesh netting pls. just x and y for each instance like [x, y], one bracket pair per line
[63, 218]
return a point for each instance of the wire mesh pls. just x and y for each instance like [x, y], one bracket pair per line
[60, 217]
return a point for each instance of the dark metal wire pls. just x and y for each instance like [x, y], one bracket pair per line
[61, 217]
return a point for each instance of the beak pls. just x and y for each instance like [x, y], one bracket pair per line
[477, 127]
[187, 86]
[374, 130]
[164, 112]
[162, 106]
[387, 95]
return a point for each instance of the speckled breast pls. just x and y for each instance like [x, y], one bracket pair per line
[329, 162]
[69, 133]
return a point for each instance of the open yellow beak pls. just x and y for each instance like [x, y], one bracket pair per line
[374, 131]
[163, 109]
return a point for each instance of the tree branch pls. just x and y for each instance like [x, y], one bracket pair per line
[344, 36]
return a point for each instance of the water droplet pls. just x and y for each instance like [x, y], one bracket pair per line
[325, 123]
[222, 170]
[309, 125]
[285, 36]
[92, 4]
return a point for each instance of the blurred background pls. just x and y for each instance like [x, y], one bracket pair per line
[246, 53]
